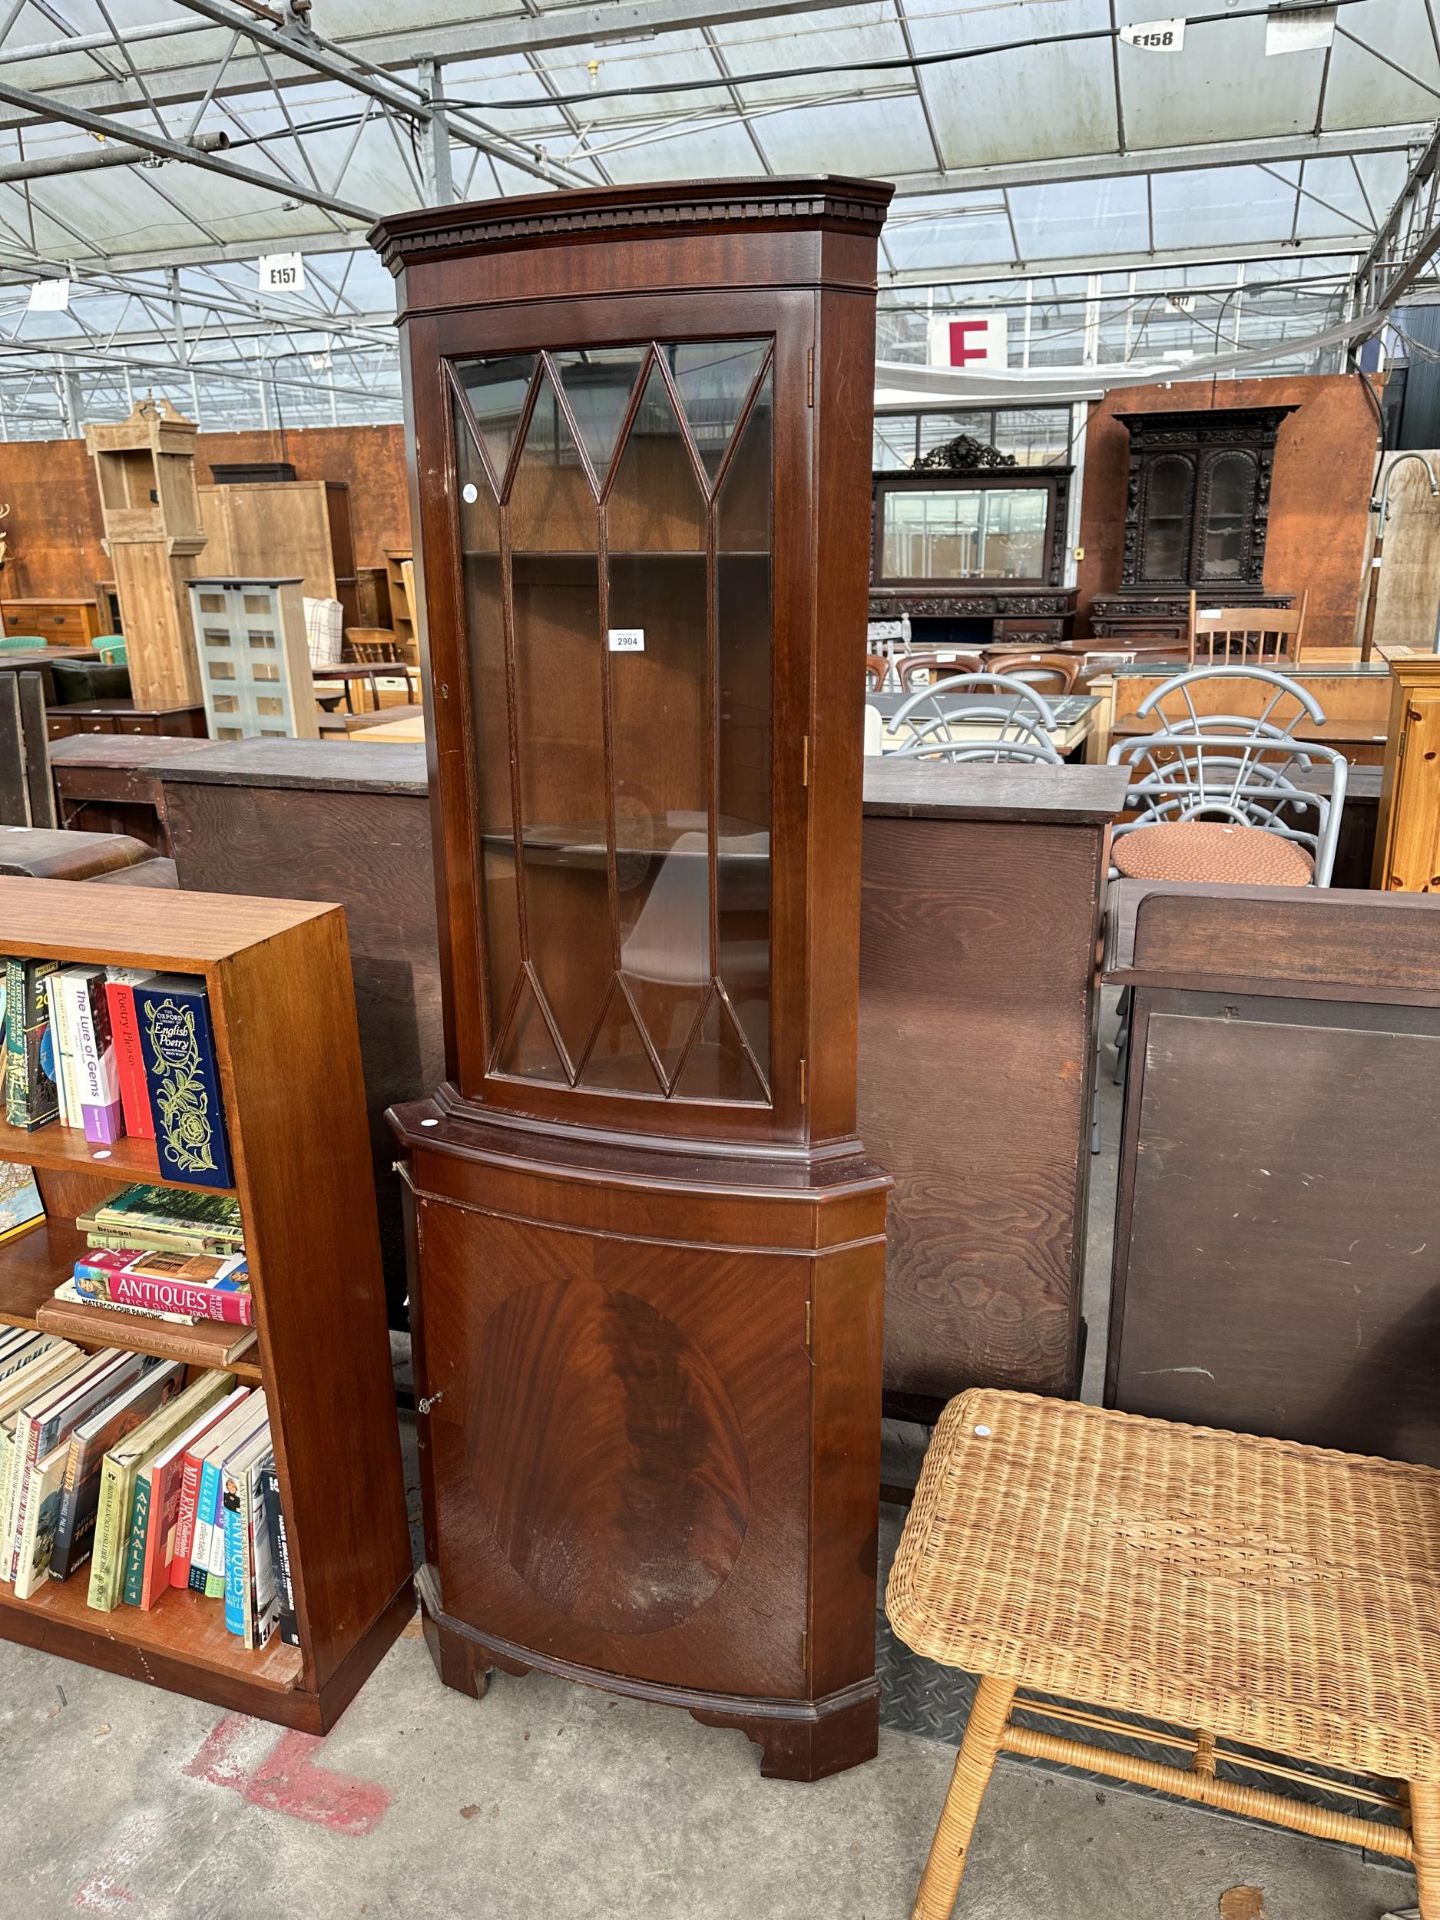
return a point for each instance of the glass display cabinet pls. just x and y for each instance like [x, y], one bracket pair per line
[978, 552]
[647, 1252]
[1197, 509]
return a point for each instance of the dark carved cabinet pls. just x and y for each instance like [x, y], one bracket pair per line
[646, 1250]
[1197, 507]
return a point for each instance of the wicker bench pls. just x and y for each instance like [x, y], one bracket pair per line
[1280, 1596]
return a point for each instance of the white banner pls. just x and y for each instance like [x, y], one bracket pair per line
[49, 296]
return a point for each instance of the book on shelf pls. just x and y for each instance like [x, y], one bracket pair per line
[67, 1294]
[90, 1442]
[117, 1483]
[177, 1045]
[120, 985]
[56, 1360]
[262, 1581]
[67, 1082]
[199, 1343]
[212, 1457]
[31, 1099]
[44, 1495]
[162, 1220]
[192, 1464]
[80, 992]
[42, 1423]
[18, 1347]
[205, 1286]
[258, 1424]
[21, 1207]
[163, 1480]
[279, 1548]
[237, 1498]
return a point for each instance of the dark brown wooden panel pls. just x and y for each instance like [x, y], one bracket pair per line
[1278, 1254]
[620, 1479]
[368, 852]
[977, 1008]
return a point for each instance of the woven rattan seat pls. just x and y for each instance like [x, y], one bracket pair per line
[1256, 1590]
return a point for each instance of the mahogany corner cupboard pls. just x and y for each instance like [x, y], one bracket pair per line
[646, 1248]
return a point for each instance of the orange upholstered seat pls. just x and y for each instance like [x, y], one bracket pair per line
[1218, 851]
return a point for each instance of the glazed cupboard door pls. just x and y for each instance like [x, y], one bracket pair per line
[614, 509]
[620, 1476]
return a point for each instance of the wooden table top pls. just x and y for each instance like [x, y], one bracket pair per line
[45, 656]
[389, 732]
[122, 749]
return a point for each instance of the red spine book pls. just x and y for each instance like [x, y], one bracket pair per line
[167, 1490]
[182, 1296]
[112, 1275]
[185, 1522]
[125, 1030]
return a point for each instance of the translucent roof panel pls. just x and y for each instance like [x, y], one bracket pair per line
[1031, 150]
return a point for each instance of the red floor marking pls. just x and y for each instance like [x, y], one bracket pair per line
[288, 1781]
[217, 1760]
[101, 1895]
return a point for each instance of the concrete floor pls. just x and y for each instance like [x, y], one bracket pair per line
[548, 1802]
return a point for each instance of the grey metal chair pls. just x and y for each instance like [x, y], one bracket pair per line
[1234, 771]
[1235, 777]
[940, 721]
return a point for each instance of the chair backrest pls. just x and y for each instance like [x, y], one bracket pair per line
[1231, 636]
[1040, 751]
[1259, 777]
[930, 668]
[368, 644]
[111, 648]
[876, 668]
[986, 712]
[1279, 704]
[1054, 672]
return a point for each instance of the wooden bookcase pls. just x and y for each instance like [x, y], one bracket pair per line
[278, 977]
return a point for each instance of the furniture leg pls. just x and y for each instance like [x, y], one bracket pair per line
[973, 1766]
[1425, 1832]
[808, 1750]
[459, 1662]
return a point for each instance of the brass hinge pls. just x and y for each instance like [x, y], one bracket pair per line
[810, 376]
[805, 1648]
[804, 1078]
[809, 1325]
[805, 761]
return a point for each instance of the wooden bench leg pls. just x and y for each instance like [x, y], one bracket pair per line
[1425, 1832]
[973, 1766]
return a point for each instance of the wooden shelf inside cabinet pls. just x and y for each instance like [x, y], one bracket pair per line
[277, 974]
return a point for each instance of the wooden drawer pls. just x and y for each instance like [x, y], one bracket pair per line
[60, 725]
[1040, 631]
[69, 622]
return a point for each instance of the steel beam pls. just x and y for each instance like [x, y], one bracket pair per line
[1136, 260]
[1408, 240]
[174, 150]
[87, 159]
[403, 48]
